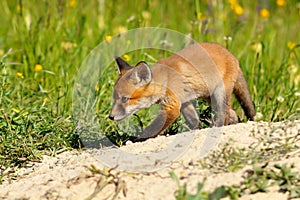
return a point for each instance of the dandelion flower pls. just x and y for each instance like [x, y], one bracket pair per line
[200, 16]
[126, 57]
[232, 2]
[38, 68]
[264, 13]
[72, 3]
[280, 3]
[18, 8]
[108, 38]
[46, 100]
[238, 9]
[19, 75]
[97, 88]
[291, 45]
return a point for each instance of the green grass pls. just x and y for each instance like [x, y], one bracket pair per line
[269, 147]
[257, 179]
[36, 106]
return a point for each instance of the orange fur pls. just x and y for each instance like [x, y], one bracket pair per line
[204, 70]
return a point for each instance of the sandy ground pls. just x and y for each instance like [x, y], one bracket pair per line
[142, 170]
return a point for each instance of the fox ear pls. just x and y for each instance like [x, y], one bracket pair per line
[141, 74]
[123, 66]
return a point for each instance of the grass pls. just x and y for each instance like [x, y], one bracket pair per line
[43, 43]
[258, 179]
[270, 146]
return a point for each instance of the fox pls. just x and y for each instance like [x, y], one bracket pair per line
[201, 70]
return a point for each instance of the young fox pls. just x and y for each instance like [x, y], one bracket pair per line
[203, 70]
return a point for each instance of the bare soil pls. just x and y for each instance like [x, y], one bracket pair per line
[84, 175]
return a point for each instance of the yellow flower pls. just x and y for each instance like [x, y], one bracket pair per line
[1, 52]
[232, 2]
[97, 88]
[18, 8]
[38, 68]
[264, 13]
[238, 9]
[19, 75]
[108, 38]
[280, 2]
[72, 3]
[126, 57]
[46, 100]
[291, 45]
[200, 16]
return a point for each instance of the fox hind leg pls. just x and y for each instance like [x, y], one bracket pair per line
[233, 118]
[219, 105]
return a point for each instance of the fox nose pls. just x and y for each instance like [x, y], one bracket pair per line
[111, 117]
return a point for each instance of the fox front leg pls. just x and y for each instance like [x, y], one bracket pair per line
[190, 115]
[165, 118]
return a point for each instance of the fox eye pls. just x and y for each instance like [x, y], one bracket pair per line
[124, 99]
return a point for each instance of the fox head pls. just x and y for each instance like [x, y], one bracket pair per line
[130, 91]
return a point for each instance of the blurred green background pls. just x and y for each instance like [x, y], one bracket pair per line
[43, 43]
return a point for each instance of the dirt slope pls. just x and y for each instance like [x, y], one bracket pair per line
[147, 165]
